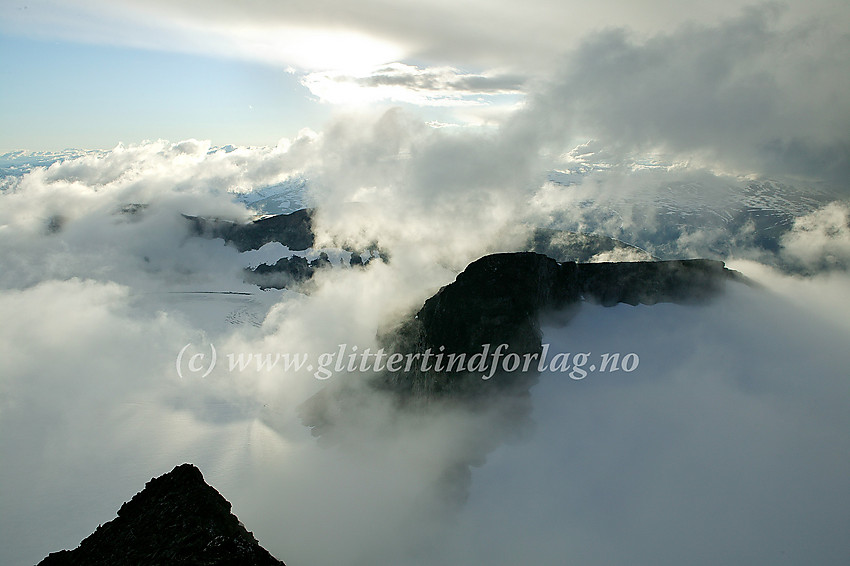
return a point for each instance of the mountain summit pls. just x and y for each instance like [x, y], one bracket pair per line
[178, 519]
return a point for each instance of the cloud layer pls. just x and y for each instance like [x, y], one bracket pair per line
[482, 35]
[708, 439]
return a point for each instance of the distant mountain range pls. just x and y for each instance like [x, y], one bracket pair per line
[660, 218]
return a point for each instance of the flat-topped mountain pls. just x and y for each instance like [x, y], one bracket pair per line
[498, 300]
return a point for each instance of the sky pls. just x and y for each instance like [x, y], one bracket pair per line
[90, 74]
[442, 132]
[63, 94]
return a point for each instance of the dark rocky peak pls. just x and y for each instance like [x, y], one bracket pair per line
[294, 230]
[498, 299]
[286, 273]
[178, 519]
[293, 272]
[495, 300]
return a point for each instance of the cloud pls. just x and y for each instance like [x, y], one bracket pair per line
[754, 95]
[672, 210]
[714, 436]
[723, 446]
[99, 285]
[432, 86]
[116, 215]
[820, 240]
[275, 40]
[729, 451]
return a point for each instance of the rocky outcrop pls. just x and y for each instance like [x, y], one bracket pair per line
[495, 300]
[286, 273]
[498, 299]
[294, 230]
[178, 519]
[292, 272]
[650, 282]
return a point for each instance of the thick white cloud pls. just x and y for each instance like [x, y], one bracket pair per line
[757, 94]
[821, 239]
[725, 445]
[116, 215]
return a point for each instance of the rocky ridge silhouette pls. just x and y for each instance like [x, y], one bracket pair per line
[177, 519]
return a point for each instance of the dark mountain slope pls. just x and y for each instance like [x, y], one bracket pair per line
[178, 519]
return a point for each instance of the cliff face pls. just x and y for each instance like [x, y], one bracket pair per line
[650, 282]
[177, 519]
[496, 301]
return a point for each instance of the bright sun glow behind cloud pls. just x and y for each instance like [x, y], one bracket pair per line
[306, 48]
[273, 40]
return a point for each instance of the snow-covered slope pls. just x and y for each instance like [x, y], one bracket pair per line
[281, 198]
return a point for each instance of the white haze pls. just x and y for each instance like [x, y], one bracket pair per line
[727, 445]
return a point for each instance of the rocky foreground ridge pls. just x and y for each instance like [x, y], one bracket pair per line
[178, 519]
